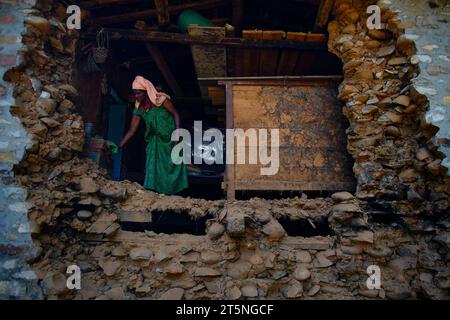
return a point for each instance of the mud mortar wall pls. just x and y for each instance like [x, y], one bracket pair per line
[398, 218]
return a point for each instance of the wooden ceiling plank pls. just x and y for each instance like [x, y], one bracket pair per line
[173, 10]
[97, 4]
[168, 37]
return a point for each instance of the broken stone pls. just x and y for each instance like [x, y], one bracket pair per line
[174, 268]
[274, 230]
[402, 100]
[423, 154]
[398, 293]
[314, 290]
[351, 250]
[56, 44]
[379, 34]
[210, 257]
[172, 294]
[110, 267]
[368, 293]
[394, 117]
[213, 286]
[68, 89]
[216, 230]
[385, 51]
[39, 130]
[161, 255]
[48, 105]
[343, 212]
[39, 23]
[435, 167]
[65, 106]
[118, 252]
[54, 283]
[405, 46]
[88, 185]
[206, 272]
[401, 264]
[190, 257]
[342, 196]
[239, 269]
[364, 236]
[301, 273]
[397, 61]
[235, 223]
[140, 254]
[380, 252]
[233, 293]
[369, 109]
[84, 215]
[413, 195]
[115, 293]
[321, 261]
[303, 257]
[249, 291]
[294, 289]
[113, 192]
[186, 283]
[392, 131]
[408, 175]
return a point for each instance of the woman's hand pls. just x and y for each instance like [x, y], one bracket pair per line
[135, 120]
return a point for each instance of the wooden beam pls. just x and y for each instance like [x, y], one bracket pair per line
[162, 9]
[173, 10]
[167, 37]
[164, 68]
[229, 168]
[323, 14]
[97, 4]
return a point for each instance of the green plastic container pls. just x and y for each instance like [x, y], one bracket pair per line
[189, 17]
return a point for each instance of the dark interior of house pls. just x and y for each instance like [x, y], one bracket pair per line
[284, 38]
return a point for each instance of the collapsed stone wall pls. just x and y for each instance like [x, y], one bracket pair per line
[395, 157]
[398, 219]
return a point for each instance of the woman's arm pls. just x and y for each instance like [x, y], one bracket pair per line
[169, 106]
[135, 120]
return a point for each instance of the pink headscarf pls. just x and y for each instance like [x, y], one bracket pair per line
[157, 98]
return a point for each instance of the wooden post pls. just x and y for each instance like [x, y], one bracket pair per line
[162, 9]
[229, 168]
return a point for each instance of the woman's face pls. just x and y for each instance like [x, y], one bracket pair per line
[139, 95]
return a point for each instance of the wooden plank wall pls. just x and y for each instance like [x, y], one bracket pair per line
[209, 61]
[312, 151]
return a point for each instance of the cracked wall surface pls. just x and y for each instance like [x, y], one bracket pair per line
[427, 24]
[397, 219]
[16, 279]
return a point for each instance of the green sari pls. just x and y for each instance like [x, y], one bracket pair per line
[161, 174]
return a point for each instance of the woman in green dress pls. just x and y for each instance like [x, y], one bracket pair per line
[161, 119]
